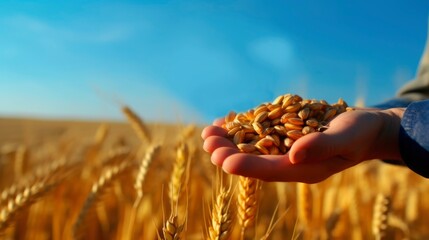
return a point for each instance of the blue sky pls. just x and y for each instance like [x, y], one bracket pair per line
[193, 61]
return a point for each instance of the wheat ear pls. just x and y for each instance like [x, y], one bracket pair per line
[144, 166]
[380, 216]
[137, 124]
[138, 186]
[96, 190]
[247, 206]
[22, 199]
[178, 174]
[222, 218]
[172, 229]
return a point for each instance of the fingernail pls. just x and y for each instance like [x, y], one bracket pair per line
[299, 157]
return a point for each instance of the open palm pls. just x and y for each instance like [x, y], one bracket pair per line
[351, 138]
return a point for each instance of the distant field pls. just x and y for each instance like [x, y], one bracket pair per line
[105, 180]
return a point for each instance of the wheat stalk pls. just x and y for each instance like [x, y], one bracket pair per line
[94, 149]
[21, 161]
[303, 193]
[412, 206]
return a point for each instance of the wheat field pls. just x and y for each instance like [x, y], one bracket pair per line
[138, 180]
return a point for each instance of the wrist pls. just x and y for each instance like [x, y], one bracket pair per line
[387, 143]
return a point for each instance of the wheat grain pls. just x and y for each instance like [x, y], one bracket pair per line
[287, 113]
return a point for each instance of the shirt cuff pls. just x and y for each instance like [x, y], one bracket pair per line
[414, 137]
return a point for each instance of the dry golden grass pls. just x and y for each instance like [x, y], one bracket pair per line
[70, 179]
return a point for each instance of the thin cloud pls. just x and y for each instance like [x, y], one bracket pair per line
[274, 51]
[28, 23]
[47, 32]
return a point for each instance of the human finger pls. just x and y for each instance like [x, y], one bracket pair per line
[213, 131]
[336, 140]
[213, 142]
[219, 121]
[220, 154]
[315, 147]
[279, 168]
[255, 166]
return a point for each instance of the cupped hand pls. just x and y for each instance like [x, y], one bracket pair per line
[352, 137]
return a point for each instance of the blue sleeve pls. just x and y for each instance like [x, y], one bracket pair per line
[394, 103]
[414, 137]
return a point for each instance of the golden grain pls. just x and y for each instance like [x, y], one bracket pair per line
[304, 113]
[329, 114]
[246, 147]
[230, 117]
[276, 113]
[288, 142]
[262, 149]
[312, 122]
[239, 137]
[261, 117]
[286, 116]
[278, 100]
[258, 127]
[290, 126]
[296, 121]
[307, 129]
[294, 134]
[293, 108]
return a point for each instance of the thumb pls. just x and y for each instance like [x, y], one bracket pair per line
[316, 147]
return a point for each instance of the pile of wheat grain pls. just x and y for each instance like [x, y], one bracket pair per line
[272, 128]
[153, 181]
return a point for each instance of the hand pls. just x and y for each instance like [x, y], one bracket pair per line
[351, 138]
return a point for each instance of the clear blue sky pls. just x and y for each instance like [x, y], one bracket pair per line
[196, 60]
